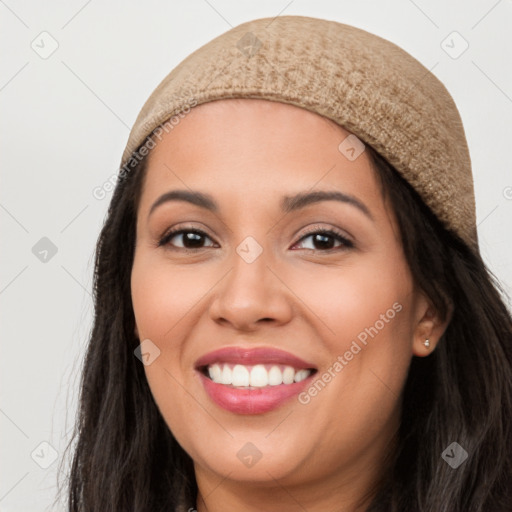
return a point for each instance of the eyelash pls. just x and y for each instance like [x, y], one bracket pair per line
[346, 243]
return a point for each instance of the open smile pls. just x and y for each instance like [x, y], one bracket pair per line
[252, 381]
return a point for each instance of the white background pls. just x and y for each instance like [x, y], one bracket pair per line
[64, 124]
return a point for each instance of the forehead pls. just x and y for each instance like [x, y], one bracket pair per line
[245, 146]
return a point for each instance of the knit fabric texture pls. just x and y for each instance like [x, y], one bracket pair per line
[366, 84]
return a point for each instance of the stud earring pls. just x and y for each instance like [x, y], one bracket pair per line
[426, 343]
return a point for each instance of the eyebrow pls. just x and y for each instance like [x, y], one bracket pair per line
[288, 203]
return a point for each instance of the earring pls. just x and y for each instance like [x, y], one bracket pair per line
[426, 343]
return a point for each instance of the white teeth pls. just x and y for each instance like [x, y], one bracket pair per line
[257, 376]
[240, 376]
[288, 375]
[215, 372]
[301, 375]
[275, 377]
[227, 375]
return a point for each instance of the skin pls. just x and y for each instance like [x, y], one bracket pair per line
[297, 296]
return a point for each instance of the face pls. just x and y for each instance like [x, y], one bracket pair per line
[282, 305]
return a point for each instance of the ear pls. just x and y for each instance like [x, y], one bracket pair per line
[429, 326]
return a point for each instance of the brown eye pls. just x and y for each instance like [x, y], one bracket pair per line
[189, 239]
[324, 240]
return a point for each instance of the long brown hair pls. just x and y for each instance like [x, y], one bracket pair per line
[126, 459]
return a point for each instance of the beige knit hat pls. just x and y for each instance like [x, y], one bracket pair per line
[366, 84]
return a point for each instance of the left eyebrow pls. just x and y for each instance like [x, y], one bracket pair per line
[293, 203]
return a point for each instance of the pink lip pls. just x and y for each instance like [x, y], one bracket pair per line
[251, 401]
[249, 356]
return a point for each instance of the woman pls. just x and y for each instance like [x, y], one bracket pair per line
[292, 312]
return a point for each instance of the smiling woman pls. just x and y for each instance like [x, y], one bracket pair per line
[292, 312]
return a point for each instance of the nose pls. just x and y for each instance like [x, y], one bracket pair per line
[251, 294]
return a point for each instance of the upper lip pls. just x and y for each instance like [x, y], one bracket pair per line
[251, 356]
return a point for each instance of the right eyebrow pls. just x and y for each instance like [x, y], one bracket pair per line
[193, 197]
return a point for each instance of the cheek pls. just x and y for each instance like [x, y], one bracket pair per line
[162, 303]
[162, 296]
[166, 303]
[367, 311]
[358, 300]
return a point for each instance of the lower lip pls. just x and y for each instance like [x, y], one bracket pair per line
[251, 401]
